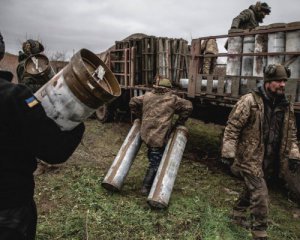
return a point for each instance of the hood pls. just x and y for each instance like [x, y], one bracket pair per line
[282, 100]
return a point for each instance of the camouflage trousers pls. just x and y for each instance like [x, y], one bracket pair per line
[18, 223]
[255, 198]
[155, 156]
[209, 65]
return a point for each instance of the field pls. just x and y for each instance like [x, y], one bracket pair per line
[73, 205]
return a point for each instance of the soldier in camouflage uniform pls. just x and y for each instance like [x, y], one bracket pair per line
[157, 108]
[209, 46]
[30, 47]
[260, 139]
[249, 18]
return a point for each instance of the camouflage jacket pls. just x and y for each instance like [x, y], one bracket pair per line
[157, 109]
[209, 46]
[243, 136]
[245, 20]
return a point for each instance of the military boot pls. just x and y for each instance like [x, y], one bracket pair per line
[259, 235]
[148, 180]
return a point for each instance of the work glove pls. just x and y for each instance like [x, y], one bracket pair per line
[180, 121]
[227, 161]
[294, 165]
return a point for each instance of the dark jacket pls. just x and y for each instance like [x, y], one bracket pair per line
[26, 133]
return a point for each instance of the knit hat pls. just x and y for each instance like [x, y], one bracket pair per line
[275, 72]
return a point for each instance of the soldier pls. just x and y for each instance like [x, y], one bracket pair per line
[260, 140]
[249, 18]
[157, 108]
[209, 46]
[30, 48]
[26, 134]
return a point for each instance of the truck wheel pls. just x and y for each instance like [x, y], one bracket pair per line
[103, 114]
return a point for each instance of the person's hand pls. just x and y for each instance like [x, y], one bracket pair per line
[175, 125]
[227, 161]
[179, 122]
[294, 165]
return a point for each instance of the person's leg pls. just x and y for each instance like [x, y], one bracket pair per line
[239, 214]
[206, 65]
[213, 65]
[258, 205]
[154, 157]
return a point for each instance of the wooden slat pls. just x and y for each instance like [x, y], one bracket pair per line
[235, 86]
[251, 84]
[132, 65]
[221, 83]
[194, 67]
[198, 84]
[291, 88]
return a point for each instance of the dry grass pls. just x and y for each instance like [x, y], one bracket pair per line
[73, 205]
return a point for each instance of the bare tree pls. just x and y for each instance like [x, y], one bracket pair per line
[58, 56]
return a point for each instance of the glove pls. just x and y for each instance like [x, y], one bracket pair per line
[227, 161]
[180, 121]
[294, 165]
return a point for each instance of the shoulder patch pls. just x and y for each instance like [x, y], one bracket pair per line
[31, 102]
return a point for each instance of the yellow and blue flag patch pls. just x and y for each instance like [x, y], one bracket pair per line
[31, 102]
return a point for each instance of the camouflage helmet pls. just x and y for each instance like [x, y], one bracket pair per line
[275, 72]
[2, 47]
[32, 47]
[164, 82]
[263, 7]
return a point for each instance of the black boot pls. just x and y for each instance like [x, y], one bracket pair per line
[148, 180]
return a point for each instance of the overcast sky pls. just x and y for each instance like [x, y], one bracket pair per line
[69, 25]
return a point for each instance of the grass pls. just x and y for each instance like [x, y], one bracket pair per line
[72, 204]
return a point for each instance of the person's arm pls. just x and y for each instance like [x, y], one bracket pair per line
[203, 45]
[136, 105]
[294, 155]
[236, 122]
[41, 136]
[294, 149]
[184, 109]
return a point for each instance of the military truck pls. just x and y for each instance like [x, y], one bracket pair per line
[137, 62]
